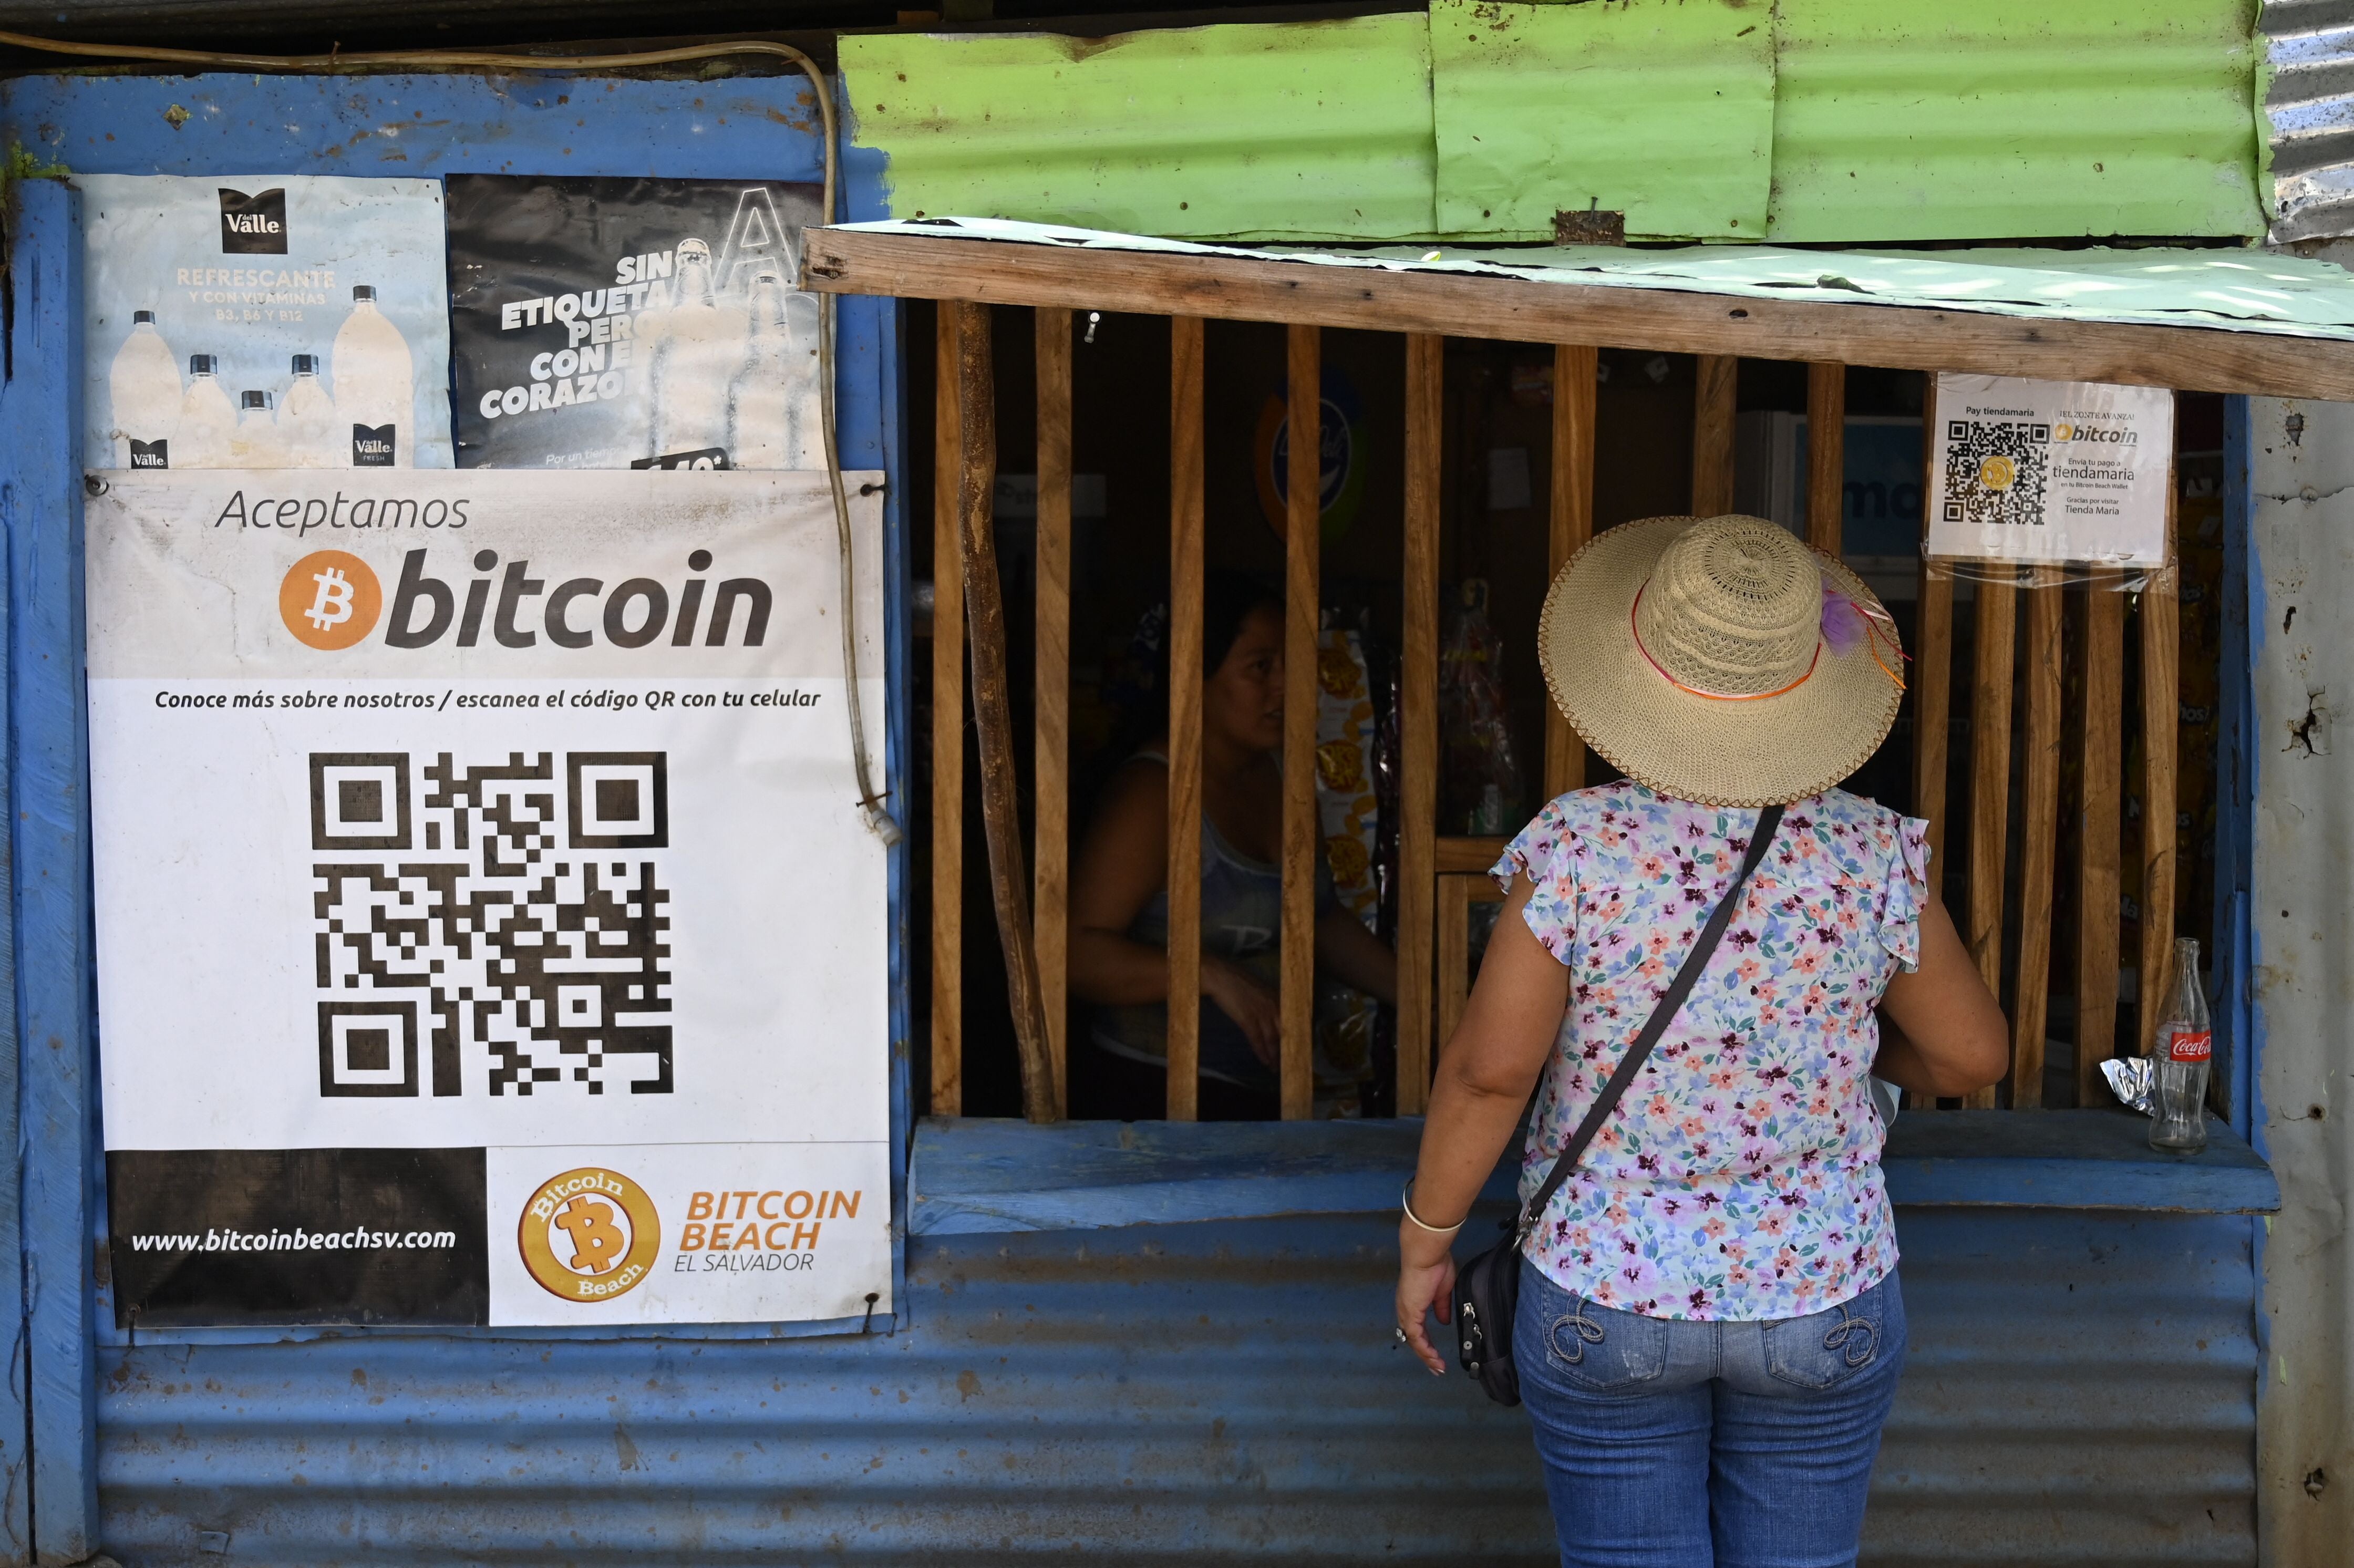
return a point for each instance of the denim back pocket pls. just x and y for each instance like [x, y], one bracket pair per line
[1602, 1348]
[1825, 1348]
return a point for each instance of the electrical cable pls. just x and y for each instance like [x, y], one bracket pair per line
[869, 800]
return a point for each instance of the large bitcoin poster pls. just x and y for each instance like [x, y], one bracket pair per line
[486, 929]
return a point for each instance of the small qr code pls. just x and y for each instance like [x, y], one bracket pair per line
[508, 916]
[1996, 470]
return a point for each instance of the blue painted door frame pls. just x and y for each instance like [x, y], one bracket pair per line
[51, 1216]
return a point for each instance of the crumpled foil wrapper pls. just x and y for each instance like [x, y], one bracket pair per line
[2132, 1079]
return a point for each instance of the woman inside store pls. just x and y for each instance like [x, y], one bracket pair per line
[1120, 893]
[1708, 1327]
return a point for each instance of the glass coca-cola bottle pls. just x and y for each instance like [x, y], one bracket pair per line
[2181, 1047]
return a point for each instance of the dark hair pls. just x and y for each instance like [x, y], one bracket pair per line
[1228, 600]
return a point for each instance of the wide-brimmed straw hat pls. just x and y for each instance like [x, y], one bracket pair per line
[1721, 660]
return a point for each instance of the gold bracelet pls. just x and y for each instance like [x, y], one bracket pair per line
[1405, 1201]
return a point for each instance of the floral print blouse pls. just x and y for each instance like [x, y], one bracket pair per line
[1739, 1179]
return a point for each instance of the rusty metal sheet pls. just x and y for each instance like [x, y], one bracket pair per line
[2306, 93]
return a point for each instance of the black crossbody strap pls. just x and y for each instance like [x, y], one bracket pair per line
[1768, 820]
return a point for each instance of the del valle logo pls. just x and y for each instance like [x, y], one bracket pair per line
[253, 225]
[589, 1234]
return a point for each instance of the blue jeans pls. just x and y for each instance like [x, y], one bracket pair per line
[1677, 1445]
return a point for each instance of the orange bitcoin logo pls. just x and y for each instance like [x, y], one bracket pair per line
[330, 600]
[589, 1234]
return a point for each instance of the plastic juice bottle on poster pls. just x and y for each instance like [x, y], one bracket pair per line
[143, 388]
[254, 443]
[2183, 1048]
[306, 419]
[694, 361]
[207, 421]
[761, 412]
[375, 386]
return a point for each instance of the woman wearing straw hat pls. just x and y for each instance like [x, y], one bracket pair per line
[1709, 1328]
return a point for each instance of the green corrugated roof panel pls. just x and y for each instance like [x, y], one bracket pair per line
[1660, 109]
[2013, 118]
[1311, 131]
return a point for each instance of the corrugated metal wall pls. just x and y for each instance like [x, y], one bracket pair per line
[2300, 458]
[2307, 96]
[2081, 1390]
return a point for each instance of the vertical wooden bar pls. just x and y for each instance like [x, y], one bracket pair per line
[1825, 455]
[992, 708]
[1418, 720]
[1454, 952]
[1576, 374]
[1933, 667]
[1052, 740]
[1713, 421]
[2161, 717]
[1185, 539]
[1302, 597]
[1991, 783]
[2101, 860]
[948, 732]
[2039, 849]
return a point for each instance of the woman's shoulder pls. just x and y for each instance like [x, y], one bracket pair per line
[1858, 830]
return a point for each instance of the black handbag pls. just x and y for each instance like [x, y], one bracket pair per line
[1488, 1288]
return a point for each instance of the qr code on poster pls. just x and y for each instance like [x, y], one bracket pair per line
[1995, 471]
[502, 923]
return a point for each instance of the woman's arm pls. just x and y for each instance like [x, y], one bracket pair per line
[1485, 1075]
[1123, 862]
[1355, 956]
[1941, 1030]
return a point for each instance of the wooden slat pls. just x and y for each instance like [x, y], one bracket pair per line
[1455, 897]
[1990, 784]
[1303, 594]
[1574, 378]
[2040, 842]
[1826, 454]
[1419, 722]
[2161, 717]
[1474, 856]
[1454, 953]
[993, 711]
[1185, 539]
[948, 736]
[1933, 669]
[1053, 731]
[2098, 868]
[1516, 309]
[1713, 423]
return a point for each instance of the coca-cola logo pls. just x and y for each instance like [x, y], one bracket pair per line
[2185, 1045]
[252, 225]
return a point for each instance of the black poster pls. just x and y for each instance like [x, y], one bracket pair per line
[632, 323]
[298, 1235]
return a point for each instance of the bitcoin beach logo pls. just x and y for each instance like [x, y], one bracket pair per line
[330, 600]
[1998, 472]
[589, 1234]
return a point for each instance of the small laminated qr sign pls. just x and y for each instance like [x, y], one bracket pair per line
[509, 914]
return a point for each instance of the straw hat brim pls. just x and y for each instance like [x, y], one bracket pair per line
[1717, 752]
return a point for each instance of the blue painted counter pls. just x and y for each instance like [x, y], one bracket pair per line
[977, 1175]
